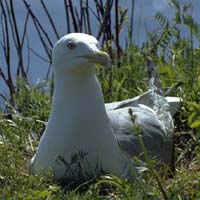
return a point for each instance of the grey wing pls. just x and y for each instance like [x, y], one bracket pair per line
[141, 99]
[158, 140]
[146, 99]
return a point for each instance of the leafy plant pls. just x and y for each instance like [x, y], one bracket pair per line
[194, 118]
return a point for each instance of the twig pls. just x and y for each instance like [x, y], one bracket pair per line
[6, 46]
[40, 30]
[81, 16]
[28, 55]
[37, 23]
[18, 44]
[50, 19]
[117, 33]
[67, 17]
[132, 19]
[48, 71]
[25, 29]
[3, 97]
[97, 16]
[3, 75]
[88, 17]
[79, 21]
[84, 19]
[105, 18]
[73, 16]
[39, 56]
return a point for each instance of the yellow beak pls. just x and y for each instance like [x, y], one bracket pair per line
[99, 57]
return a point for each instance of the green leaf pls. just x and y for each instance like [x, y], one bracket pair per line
[195, 124]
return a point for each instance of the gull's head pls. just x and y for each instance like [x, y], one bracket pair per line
[77, 52]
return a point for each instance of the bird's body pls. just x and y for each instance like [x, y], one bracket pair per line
[77, 124]
[80, 122]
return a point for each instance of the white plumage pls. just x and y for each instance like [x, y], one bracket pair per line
[79, 120]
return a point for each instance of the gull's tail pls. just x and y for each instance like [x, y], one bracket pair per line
[160, 104]
[164, 107]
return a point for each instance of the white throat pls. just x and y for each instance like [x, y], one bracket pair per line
[78, 99]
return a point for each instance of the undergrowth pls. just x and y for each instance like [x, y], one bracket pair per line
[21, 128]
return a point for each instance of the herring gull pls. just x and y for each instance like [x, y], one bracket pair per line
[80, 121]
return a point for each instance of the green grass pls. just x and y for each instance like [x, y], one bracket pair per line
[21, 128]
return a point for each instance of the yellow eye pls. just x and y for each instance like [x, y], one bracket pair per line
[71, 45]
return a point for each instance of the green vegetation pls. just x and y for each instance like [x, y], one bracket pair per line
[21, 128]
[178, 61]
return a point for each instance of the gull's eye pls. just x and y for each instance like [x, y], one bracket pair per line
[71, 45]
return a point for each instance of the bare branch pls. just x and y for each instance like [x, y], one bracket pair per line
[132, 19]
[39, 56]
[28, 55]
[3, 97]
[25, 29]
[73, 16]
[105, 18]
[67, 16]
[117, 33]
[6, 47]
[88, 17]
[37, 23]
[48, 71]
[3, 75]
[18, 44]
[50, 19]
[40, 30]
[79, 20]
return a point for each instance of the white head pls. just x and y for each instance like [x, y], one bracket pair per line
[77, 52]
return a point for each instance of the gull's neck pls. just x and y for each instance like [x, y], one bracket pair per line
[78, 98]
